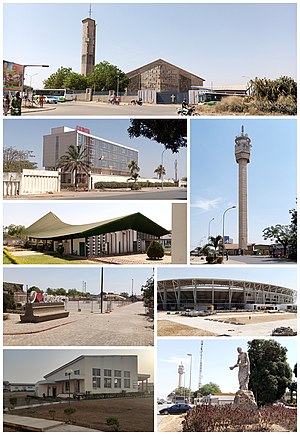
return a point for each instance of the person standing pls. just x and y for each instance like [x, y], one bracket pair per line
[16, 105]
[6, 103]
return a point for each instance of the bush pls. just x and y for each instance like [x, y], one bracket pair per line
[113, 424]
[69, 412]
[155, 250]
[231, 104]
[8, 302]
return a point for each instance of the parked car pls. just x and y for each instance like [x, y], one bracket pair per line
[179, 408]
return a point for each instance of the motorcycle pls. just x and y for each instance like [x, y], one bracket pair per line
[187, 111]
[114, 100]
[138, 102]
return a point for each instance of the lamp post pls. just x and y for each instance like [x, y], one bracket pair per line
[209, 228]
[30, 76]
[162, 166]
[118, 78]
[229, 208]
[69, 372]
[190, 381]
[25, 66]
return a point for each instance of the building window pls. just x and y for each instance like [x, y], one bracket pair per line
[67, 386]
[76, 372]
[107, 372]
[107, 382]
[96, 382]
[126, 374]
[126, 383]
[117, 382]
[118, 373]
[96, 372]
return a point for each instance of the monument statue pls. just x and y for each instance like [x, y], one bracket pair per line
[243, 364]
[243, 397]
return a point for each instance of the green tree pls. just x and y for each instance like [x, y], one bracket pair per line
[270, 374]
[172, 133]
[75, 161]
[15, 160]
[280, 234]
[216, 242]
[8, 302]
[155, 250]
[293, 227]
[75, 81]
[57, 80]
[105, 77]
[272, 90]
[148, 296]
[160, 171]
[134, 170]
[14, 231]
[210, 388]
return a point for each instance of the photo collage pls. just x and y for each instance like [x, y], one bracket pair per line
[149, 217]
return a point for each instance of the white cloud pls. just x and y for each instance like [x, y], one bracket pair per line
[205, 204]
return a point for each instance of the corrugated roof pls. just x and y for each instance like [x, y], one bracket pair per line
[51, 227]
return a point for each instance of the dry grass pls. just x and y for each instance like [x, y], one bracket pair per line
[166, 327]
[253, 319]
[133, 414]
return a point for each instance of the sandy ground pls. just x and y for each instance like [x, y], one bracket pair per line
[166, 327]
[133, 414]
[252, 319]
[171, 423]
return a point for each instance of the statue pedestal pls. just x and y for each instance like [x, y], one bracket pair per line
[244, 399]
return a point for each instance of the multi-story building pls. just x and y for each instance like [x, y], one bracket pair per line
[105, 157]
[95, 374]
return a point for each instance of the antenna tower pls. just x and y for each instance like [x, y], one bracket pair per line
[200, 366]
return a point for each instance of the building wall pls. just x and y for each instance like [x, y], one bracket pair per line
[179, 234]
[30, 182]
[96, 374]
[56, 144]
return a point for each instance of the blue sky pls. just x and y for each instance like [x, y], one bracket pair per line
[218, 355]
[29, 136]
[74, 212]
[284, 276]
[115, 280]
[214, 176]
[224, 43]
[22, 365]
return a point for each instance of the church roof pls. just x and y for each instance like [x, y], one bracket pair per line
[153, 64]
[51, 227]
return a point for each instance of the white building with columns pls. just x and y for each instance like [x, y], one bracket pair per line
[31, 181]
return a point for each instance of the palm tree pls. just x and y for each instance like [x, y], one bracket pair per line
[75, 161]
[134, 170]
[215, 242]
[160, 171]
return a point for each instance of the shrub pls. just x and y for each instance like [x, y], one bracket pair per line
[113, 424]
[51, 413]
[69, 412]
[231, 104]
[8, 302]
[155, 250]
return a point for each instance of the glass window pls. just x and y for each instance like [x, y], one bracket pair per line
[96, 383]
[126, 374]
[96, 372]
[107, 382]
[76, 372]
[118, 373]
[126, 383]
[117, 382]
[107, 372]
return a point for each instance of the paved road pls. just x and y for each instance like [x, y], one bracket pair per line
[124, 326]
[246, 259]
[77, 108]
[219, 328]
[151, 194]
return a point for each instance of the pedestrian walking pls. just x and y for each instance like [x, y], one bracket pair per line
[41, 100]
[6, 104]
[16, 105]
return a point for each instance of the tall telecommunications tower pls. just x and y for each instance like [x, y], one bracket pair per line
[200, 365]
[242, 156]
[180, 373]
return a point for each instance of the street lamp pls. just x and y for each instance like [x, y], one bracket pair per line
[69, 372]
[31, 75]
[162, 167]
[209, 228]
[190, 381]
[248, 83]
[25, 66]
[229, 208]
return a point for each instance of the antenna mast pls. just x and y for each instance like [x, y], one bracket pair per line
[90, 11]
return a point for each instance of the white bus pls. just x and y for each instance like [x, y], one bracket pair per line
[57, 95]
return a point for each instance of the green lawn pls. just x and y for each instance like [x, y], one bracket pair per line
[44, 259]
[6, 260]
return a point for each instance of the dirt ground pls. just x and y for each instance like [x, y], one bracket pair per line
[171, 423]
[133, 414]
[166, 327]
[257, 318]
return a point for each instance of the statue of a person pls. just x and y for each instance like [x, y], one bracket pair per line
[243, 363]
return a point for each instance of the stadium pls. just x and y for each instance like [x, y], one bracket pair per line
[211, 294]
